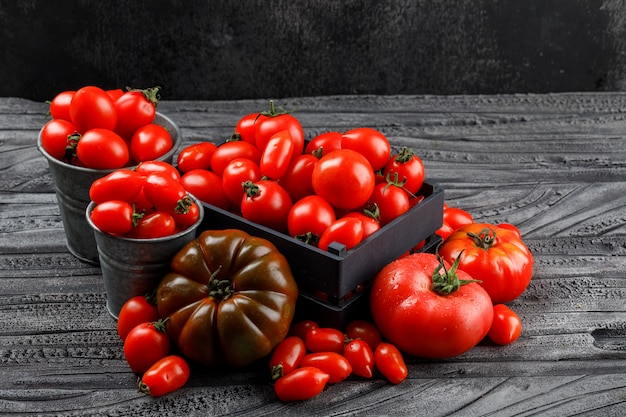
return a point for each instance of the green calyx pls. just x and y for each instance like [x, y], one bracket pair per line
[405, 155]
[446, 282]
[273, 111]
[151, 94]
[485, 238]
[220, 289]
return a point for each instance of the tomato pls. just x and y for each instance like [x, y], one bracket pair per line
[496, 256]
[456, 217]
[267, 203]
[54, 138]
[237, 172]
[147, 168]
[302, 327]
[346, 230]
[407, 168]
[166, 375]
[145, 344]
[297, 180]
[361, 357]
[335, 365]
[135, 108]
[344, 178]
[102, 149]
[206, 186]
[365, 330]
[370, 143]
[287, 356]
[390, 363]
[166, 194]
[138, 309]
[277, 155]
[115, 94]
[149, 142]
[391, 200]
[121, 184]
[511, 227]
[506, 327]
[60, 106]
[301, 384]
[196, 156]
[323, 143]
[230, 298]
[114, 217]
[427, 308]
[370, 224]
[228, 151]
[244, 129]
[309, 218]
[153, 225]
[274, 122]
[184, 220]
[324, 339]
[91, 107]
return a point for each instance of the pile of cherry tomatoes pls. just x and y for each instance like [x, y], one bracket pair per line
[100, 129]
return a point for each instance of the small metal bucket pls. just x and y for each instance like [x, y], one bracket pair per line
[72, 185]
[133, 267]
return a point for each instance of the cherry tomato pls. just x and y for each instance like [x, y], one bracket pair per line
[301, 384]
[335, 365]
[147, 168]
[166, 194]
[324, 339]
[150, 142]
[309, 218]
[408, 168]
[102, 149]
[186, 219]
[196, 156]
[166, 375]
[390, 363]
[301, 328]
[297, 180]
[344, 178]
[54, 138]
[60, 106]
[345, 230]
[370, 143]
[115, 94]
[121, 184]
[506, 327]
[277, 155]
[267, 203]
[228, 151]
[274, 122]
[153, 225]
[237, 172]
[370, 224]
[244, 129]
[323, 143]
[135, 108]
[138, 309]
[392, 201]
[114, 217]
[456, 217]
[91, 107]
[145, 344]
[361, 357]
[206, 186]
[287, 356]
[365, 330]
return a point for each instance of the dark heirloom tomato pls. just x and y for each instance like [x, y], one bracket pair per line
[230, 298]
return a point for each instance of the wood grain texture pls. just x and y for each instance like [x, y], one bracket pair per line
[552, 164]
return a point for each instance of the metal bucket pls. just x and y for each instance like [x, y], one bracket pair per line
[72, 185]
[133, 267]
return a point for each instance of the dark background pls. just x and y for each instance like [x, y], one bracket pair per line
[227, 49]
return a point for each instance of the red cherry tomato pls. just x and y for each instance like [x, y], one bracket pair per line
[365, 330]
[323, 143]
[102, 149]
[121, 184]
[115, 94]
[391, 200]
[147, 168]
[206, 186]
[186, 219]
[228, 151]
[150, 142]
[166, 375]
[309, 218]
[506, 327]
[335, 365]
[153, 225]
[302, 327]
[361, 357]
[370, 224]
[54, 138]
[244, 129]
[456, 217]
[91, 107]
[297, 180]
[274, 122]
[324, 339]
[135, 108]
[390, 363]
[277, 155]
[114, 217]
[301, 384]
[287, 356]
[267, 203]
[196, 156]
[138, 309]
[346, 230]
[370, 143]
[407, 168]
[166, 194]
[237, 172]
[60, 106]
[145, 344]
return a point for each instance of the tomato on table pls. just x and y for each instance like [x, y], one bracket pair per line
[334, 364]
[287, 356]
[361, 357]
[166, 375]
[301, 384]
[390, 363]
[364, 330]
[145, 344]
[324, 339]
[302, 327]
[506, 327]
[136, 310]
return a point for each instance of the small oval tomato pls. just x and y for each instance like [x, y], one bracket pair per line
[309, 218]
[196, 156]
[60, 105]
[145, 344]
[324, 339]
[456, 217]
[346, 230]
[228, 151]
[370, 143]
[287, 356]
[274, 122]
[237, 172]
[206, 186]
[302, 327]
[54, 138]
[158, 167]
[122, 184]
[166, 194]
[361, 357]
[115, 94]
[102, 149]
[390, 363]
[166, 375]
[323, 143]
[150, 142]
[506, 327]
[135, 108]
[365, 330]
[153, 225]
[114, 217]
[244, 129]
[277, 155]
[267, 203]
[136, 310]
[370, 224]
[335, 365]
[301, 384]
[297, 180]
[91, 107]
[188, 218]
[408, 168]
[391, 200]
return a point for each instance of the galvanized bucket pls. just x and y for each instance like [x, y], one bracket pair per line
[72, 185]
[133, 267]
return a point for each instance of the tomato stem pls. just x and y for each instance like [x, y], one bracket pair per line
[485, 238]
[448, 282]
[308, 238]
[250, 188]
[220, 289]
[183, 205]
[151, 94]
[274, 111]
[70, 149]
[159, 325]
[405, 155]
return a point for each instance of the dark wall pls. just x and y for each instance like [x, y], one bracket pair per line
[227, 49]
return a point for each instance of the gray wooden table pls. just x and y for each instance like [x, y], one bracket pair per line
[554, 165]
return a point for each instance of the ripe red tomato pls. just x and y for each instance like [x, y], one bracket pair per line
[60, 106]
[370, 224]
[346, 230]
[196, 156]
[237, 172]
[153, 225]
[166, 194]
[287, 356]
[54, 138]
[309, 218]
[391, 200]
[115, 94]
[184, 220]
[102, 149]
[324, 339]
[114, 217]
[274, 122]
[456, 217]
[135, 108]
[301, 384]
[361, 357]
[323, 143]
[267, 203]
[145, 344]
[228, 151]
[420, 306]
[150, 142]
[244, 129]
[206, 186]
[390, 363]
[121, 184]
[277, 155]
[496, 256]
[138, 309]
[506, 327]
[365, 330]
[302, 327]
[370, 143]
[147, 168]
[408, 168]
[335, 365]
[344, 178]
[166, 375]
[91, 107]
[297, 180]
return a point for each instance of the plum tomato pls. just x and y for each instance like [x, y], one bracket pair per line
[390, 362]
[324, 339]
[506, 327]
[166, 375]
[153, 225]
[323, 143]
[228, 151]
[121, 184]
[309, 217]
[91, 107]
[195, 156]
[370, 143]
[54, 138]
[114, 217]
[277, 155]
[150, 142]
[334, 364]
[301, 384]
[100, 148]
[361, 357]
[147, 168]
[206, 186]
[286, 356]
[301, 328]
[365, 330]
[135, 108]
[274, 121]
[60, 105]
[345, 230]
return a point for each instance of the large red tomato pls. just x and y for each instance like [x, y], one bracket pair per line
[496, 256]
[428, 309]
